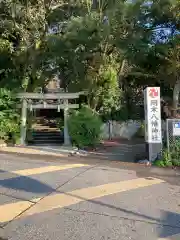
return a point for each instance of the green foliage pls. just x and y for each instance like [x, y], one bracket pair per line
[109, 96]
[121, 114]
[9, 117]
[171, 158]
[86, 45]
[176, 162]
[159, 163]
[24, 31]
[141, 131]
[165, 160]
[105, 95]
[84, 127]
[175, 153]
[60, 123]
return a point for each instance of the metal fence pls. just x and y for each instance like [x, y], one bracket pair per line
[172, 133]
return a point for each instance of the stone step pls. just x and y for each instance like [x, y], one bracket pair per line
[47, 133]
[39, 137]
[48, 141]
[47, 136]
[48, 128]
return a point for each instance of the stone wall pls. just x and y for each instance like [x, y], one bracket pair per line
[114, 129]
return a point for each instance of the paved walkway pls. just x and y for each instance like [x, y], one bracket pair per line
[85, 200]
[111, 150]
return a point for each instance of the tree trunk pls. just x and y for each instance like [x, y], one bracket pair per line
[176, 93]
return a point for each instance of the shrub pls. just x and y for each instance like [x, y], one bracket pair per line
[159, 163]
[9, 117]
[84, 127]
[171, 158]
[140, 132]
[175, 150]
[165, 160]
[176, 162]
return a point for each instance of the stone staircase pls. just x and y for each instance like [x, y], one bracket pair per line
[45, 132]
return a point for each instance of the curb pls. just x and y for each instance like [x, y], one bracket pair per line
[46, 158]
[49, 156]
[31, 153]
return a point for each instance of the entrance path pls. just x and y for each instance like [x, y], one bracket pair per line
[117, 150]
[86, 199]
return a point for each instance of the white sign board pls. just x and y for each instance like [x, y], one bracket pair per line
[176, 129]
[152, 106]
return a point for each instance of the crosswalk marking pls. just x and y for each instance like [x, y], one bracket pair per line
[11, 210]
[61, 200]
[40, 170]
[30, 151]
[32, 171]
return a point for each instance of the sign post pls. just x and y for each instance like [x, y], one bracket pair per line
[153, 131]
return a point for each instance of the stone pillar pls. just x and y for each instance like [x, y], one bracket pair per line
[67, 141]
[23, 121]
[153, 129]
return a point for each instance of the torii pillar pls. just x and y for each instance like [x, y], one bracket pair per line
[67, 141]
[23, 121]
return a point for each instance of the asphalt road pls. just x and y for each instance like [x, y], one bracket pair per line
[86, 200]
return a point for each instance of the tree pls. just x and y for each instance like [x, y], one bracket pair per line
[132, 43]
[153, 51]
[86, 50]
[169, 70]
[25, 28]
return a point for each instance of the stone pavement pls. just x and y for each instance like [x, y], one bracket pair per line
[85, 200]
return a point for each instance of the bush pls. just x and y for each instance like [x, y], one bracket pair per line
[84, 127]
[140, 132]
[171, 158]
[9, 117]
[175, 150]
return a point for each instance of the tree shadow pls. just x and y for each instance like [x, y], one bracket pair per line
[24, 183]
[172, 219]
[167, 225]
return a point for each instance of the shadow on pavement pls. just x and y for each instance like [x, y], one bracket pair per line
[169, 222]
[24, 183]
[170, 218]
[172, 176]
[167, 225]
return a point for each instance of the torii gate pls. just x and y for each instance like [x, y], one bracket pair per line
[60, 101]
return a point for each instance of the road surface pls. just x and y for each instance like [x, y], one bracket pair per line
[86, 200]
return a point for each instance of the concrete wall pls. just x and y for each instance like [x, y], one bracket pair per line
[115, 129]
[125, 130]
